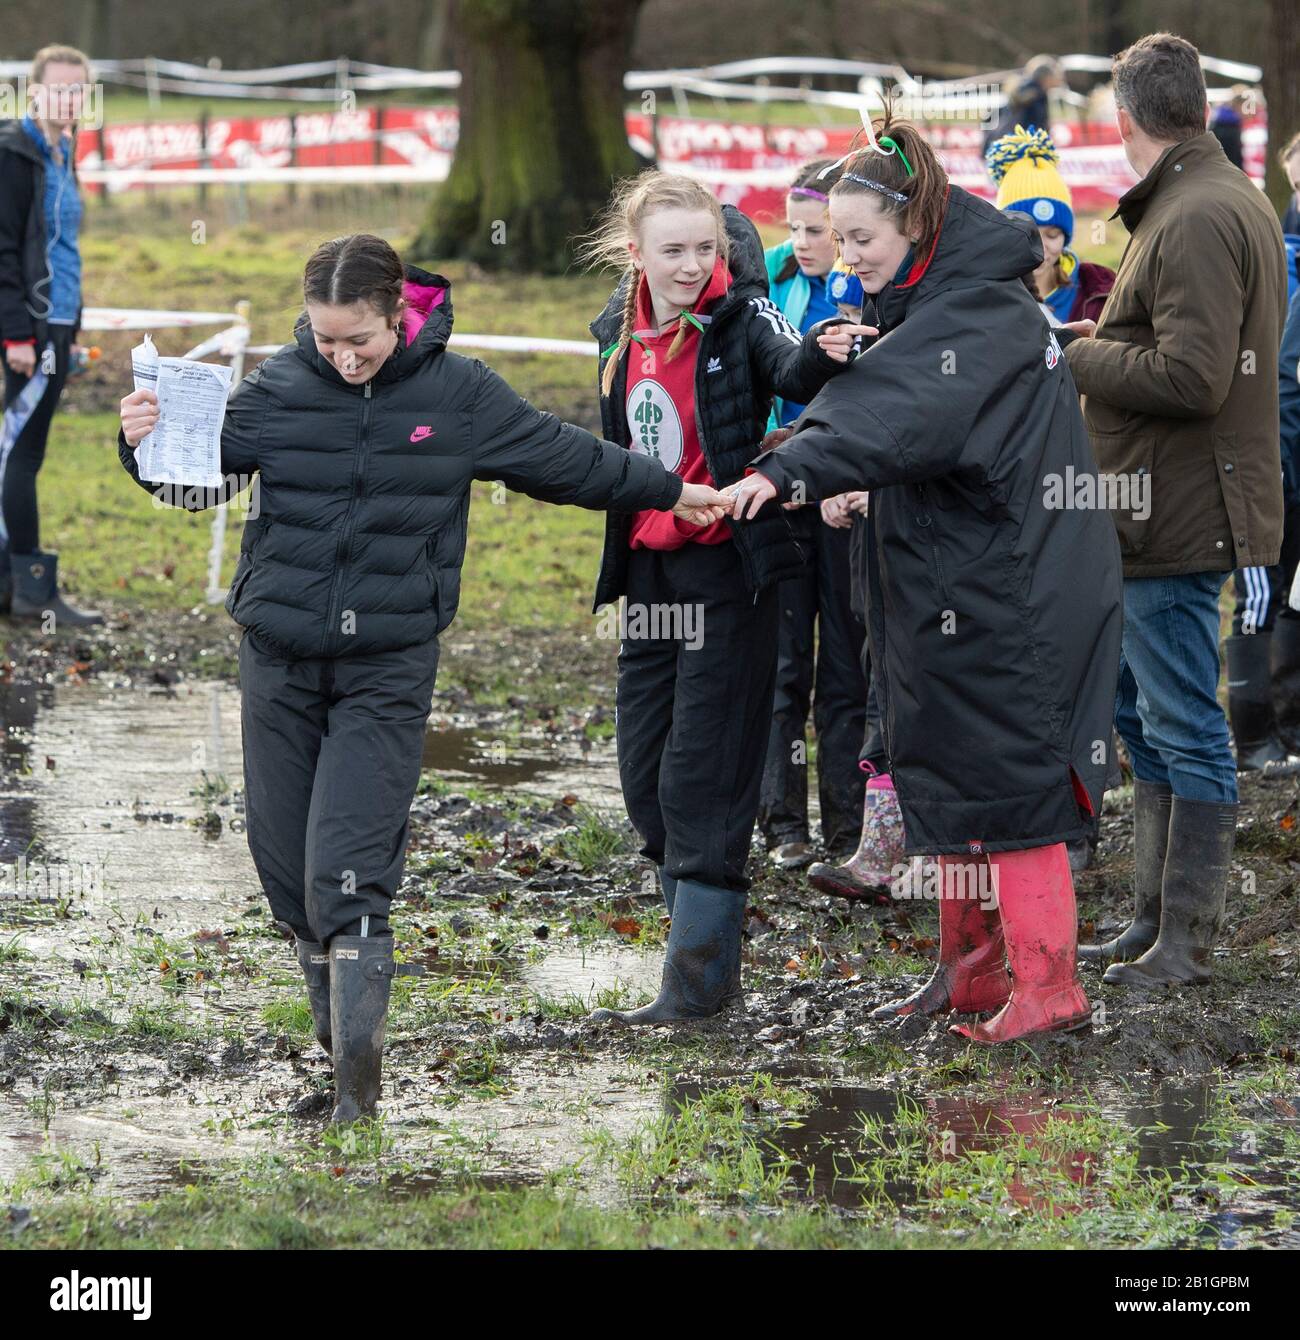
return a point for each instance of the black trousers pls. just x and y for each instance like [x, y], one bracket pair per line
[19, 469]
[819, 660]
[332, 751]
[694, 707]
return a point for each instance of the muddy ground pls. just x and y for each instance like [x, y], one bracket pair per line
[154, 1035]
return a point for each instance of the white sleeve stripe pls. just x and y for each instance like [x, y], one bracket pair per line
[776, 319]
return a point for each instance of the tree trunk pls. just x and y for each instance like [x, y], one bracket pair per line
[94, 35]
[435, 35]
[1281, 92]
[542, 133]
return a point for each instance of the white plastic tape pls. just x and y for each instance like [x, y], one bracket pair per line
[143, 318]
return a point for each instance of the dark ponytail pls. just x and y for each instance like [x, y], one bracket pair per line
[360, 268]
[925, 187]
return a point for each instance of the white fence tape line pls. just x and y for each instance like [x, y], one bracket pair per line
[436, 168]
[144, 318]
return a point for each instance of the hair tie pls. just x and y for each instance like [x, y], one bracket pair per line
[893, 144]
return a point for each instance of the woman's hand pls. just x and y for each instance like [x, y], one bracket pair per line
[857, 501]
[700, 504]
[139, 416]
[751, 492]
[835, 511]
[837, 343]
[21, 359]
[1084, 327]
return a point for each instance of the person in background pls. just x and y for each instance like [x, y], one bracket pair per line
[40, 312]
[1225, 124]
[1290, 160]
[820, 637]
[1026, 169]
[1028, 103]
[1179, 413]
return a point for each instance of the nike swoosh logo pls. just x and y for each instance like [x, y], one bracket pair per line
[421, 433]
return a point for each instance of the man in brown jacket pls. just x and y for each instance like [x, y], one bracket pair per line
[1179, 380]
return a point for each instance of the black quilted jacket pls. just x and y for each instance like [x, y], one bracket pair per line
[748, 352]
[364, 490]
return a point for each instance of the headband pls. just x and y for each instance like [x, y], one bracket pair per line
[809, 192]
[875, 186]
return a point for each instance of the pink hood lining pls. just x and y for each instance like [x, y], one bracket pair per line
[421, 300]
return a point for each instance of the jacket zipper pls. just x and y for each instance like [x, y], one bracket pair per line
[742, 547]
[342, 552]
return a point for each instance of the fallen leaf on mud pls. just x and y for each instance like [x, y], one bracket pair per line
[338, 1170]
[846, 969]
[628, 926]
[793, 965]
[1281, 1105]
[568, 801]
[773, 1034]
[1287, 821]
[215, 939]
[542, 932]
[49, 763]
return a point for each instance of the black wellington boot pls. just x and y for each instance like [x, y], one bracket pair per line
[1286, 680]
[361, 972]
[1151, 802]
[36, 592]
[668, 887]
[1250, 708]
[1192, 898]
[702, 962]
[314, 960]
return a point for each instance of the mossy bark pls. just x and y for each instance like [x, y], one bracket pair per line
[541, 130]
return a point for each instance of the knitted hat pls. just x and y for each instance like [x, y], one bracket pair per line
[1024, 166]
[844, 288]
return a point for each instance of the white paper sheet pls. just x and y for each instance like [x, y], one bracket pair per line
[185, 447]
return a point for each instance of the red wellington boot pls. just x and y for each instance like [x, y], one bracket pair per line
[970, 976]
[1036, 903]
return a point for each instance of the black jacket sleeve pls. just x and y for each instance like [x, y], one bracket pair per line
[241, 434]
[786, 364]
[535, 453]
[16, 190]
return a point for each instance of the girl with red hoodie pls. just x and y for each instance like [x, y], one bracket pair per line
[692, 350]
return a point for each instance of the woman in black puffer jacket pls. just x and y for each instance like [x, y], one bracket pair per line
[365, 435]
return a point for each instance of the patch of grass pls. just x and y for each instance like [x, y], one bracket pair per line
[715, 1147]
[289, 1017]
[593, 840]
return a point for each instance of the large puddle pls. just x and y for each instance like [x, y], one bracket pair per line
[127, 803]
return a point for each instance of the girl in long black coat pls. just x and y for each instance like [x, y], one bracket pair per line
[994, 603]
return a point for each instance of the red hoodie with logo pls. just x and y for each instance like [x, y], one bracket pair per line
[661, 413]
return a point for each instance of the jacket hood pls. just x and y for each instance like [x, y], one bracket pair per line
[426, 328]
[977, 243]
[17, 141]
[747, 264]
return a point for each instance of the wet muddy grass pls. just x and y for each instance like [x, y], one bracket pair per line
[159, 1083]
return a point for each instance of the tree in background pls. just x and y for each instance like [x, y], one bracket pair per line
[542, 132]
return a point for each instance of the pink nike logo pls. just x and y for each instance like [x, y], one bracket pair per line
[421, 433]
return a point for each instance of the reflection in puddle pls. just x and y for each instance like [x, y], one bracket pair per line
[473, 755]
[848, 1139]
[590, 972]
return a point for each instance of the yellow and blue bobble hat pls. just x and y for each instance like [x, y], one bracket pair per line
[1024, 166]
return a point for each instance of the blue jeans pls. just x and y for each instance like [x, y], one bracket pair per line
[1166, 711]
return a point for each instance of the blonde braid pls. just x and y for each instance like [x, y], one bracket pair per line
[678, 340]
[625, 332]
